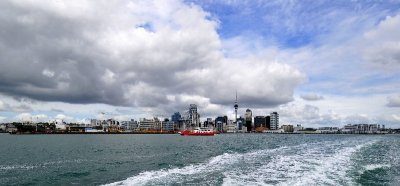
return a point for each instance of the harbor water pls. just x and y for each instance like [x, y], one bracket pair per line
[226, 159]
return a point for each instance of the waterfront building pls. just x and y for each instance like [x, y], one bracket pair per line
[124, 125]
[220, 126]
[220, 122]
[95, 122]
[230, 127]
[146, 124]
[328, 130]
[268, 122]
[129, 125]
[259, 121]
[112, 122]
[277, 131]
[274, 120]
[297, 128]
[287, 128]
[168, 125]
[248, 117]
[360, 129]
[194, 117]
[208, 123]
[240, 123]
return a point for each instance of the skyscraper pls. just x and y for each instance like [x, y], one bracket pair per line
[274, 120]
[268, 122]
[248, 117]
[240, 123]
[220, 121]
[176, 117]
[194, 117]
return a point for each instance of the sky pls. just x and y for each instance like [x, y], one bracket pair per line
[317, 63]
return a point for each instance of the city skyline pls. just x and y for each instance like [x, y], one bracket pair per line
[315, 63]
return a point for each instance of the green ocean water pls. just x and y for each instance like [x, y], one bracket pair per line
[226, 159]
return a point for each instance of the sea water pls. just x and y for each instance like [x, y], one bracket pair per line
[226, 159]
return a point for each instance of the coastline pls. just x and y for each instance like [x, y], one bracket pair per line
[126, 133]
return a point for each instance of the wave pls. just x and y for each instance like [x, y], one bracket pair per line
[376, 166]
[11, 167]
[305, 164]
[39, 165]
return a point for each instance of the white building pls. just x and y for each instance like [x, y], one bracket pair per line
[168, 126]
[230, 127]
[328, 130]
[146, 124]
[361, 129]
[274, 120]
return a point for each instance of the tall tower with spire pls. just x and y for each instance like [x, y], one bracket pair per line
[236, 108]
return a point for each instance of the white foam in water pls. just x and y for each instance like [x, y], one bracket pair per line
[28, 167]
[376, 166]
[214, 164]
[302, 166]
[305, 164]
[11, 167]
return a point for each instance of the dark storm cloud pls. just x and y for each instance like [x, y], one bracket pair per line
[47, 41]
[98, 52]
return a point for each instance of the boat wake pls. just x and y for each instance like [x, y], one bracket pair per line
[39, 165]
[323, 163]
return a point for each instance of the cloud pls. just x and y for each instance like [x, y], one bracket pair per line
[4, 106]
[393, 101]
[311, 97]
[396, 117]
[130, 54]
[382, 44]
[297, 113]
[19, 107]
[357, 119]
[28, 117]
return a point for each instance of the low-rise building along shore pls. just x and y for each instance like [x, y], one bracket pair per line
[190, 119]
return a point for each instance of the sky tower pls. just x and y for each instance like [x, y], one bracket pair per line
[236, 108]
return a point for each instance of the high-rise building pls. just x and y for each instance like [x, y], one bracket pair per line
[208, 123]
[240, 123]
[259, 121]
[268, 122]
[220, 121]
[194, 117]
[176, 117]
[274, 120]
[248, 117]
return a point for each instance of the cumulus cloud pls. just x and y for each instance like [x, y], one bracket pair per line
[357, 119]
[311, 97]
[127, 53]
[297, 113]
[382, 44]
[20, 107]
[393, 101]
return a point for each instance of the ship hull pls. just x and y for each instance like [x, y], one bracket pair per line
[190, 133]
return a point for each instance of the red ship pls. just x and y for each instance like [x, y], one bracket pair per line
[198, 132]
